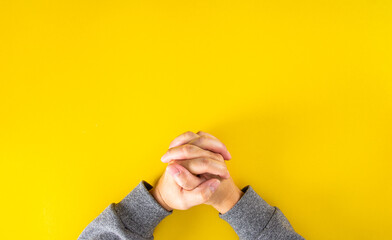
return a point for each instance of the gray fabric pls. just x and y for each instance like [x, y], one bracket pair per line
[136, 216]
[253, 218]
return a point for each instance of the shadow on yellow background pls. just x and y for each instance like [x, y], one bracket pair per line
[92, 93]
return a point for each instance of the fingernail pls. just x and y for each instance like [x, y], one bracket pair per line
[229, 154]
[214, 185]
[173, 171]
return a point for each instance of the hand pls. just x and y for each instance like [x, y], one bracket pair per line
[187, 151]
[192, 191]
[178, 188]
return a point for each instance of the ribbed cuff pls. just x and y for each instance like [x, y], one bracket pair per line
[140, 212]
[250, 215]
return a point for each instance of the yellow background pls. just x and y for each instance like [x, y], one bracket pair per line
[92, 93]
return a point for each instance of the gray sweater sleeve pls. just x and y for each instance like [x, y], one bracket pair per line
[135, 217]
[252, 218]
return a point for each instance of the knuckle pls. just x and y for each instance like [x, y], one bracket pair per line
[204, 162]
[218, 156]
[187, 149]
[203, 138]
[196, 140]
[222, 145]
[187, 134]
[224, 173]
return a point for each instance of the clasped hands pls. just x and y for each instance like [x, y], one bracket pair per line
[196, 174]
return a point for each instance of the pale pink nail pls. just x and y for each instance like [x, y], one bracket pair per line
[214, 185]
[173, 171]
[163, 158]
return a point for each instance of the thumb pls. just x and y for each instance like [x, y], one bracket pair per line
[202, 193]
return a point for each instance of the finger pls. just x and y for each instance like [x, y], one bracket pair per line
[202, 193]
[188, 151]
[211, 144]
[201, 133]
[216, 145]
[205, 165]
[183, 138]
[183, 177]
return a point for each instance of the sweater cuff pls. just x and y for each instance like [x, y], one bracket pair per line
[250, 215]
[140, 212]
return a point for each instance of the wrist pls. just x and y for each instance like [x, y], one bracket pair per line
[158, 197]
[229, 201]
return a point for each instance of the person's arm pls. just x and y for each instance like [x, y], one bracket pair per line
[134, 218]
[249, 215]
[253, 218]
